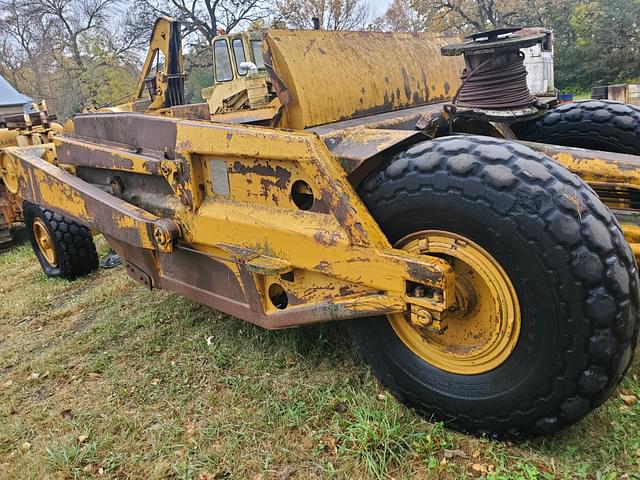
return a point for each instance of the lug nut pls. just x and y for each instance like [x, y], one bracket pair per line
[423, 318]
[160, 235]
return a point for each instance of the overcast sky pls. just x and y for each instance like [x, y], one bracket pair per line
[379, 6]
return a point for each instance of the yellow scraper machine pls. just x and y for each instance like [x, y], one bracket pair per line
[478, 240]
[35, 127]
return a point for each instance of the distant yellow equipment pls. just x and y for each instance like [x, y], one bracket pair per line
[34, 128]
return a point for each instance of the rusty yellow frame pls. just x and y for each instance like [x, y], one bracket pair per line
[333, 260]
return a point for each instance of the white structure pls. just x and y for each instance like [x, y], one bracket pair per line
[538, 61]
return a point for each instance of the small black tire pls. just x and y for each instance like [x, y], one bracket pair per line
[71, 243]
[574, 273]
[594, 124]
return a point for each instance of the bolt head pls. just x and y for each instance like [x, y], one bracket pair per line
[423, 318]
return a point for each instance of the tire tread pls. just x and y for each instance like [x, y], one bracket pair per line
[518, 180]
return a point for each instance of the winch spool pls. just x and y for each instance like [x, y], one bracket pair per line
[494, 80]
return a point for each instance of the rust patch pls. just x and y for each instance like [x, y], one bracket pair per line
[344, 291]
[406, 83]
[280, 175]
[309, 46]
[326, 238]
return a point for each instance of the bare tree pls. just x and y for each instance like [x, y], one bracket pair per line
[466, 15]
[333, 14]
[208, 18]
[69, 52]
[25, 45]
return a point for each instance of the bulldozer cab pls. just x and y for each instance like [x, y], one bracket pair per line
[239, 74]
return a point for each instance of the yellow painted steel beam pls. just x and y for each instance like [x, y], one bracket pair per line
[47, 185]
[594, 165]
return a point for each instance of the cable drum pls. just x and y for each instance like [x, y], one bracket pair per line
[492, 86]
[495, 77]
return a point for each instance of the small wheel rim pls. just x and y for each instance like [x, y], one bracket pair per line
[44, 242]
[483, 327]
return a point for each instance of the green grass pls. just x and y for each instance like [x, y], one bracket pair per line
[101, 378]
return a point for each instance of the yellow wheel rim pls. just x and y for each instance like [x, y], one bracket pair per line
[483, 327]
[44, 242]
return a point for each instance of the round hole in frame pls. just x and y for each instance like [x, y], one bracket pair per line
[302, 195]
[278, 296]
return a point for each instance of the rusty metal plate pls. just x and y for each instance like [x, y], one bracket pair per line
[333, 76]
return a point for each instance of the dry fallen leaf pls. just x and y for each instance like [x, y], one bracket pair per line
[475, 454]
[449, 454]
[629, 399]
[67, 414]
[286, 472]
[478, 467]
[330, 445]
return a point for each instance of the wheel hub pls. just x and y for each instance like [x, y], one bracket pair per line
[44, 242]
[482, 327]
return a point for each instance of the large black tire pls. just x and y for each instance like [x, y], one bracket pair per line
[594, 124]
[73, 244]
[575, 277]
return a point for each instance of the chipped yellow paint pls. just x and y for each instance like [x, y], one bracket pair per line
[46, 184]
[122, 159]
[333, 76]
[264, 182]
[343, 230]
[124, 221]
[305, 240]
[231, 201]
[10, 203]
[8, 138]
[595, 169]
[631, 232]
[64, 196]
[312, 287]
